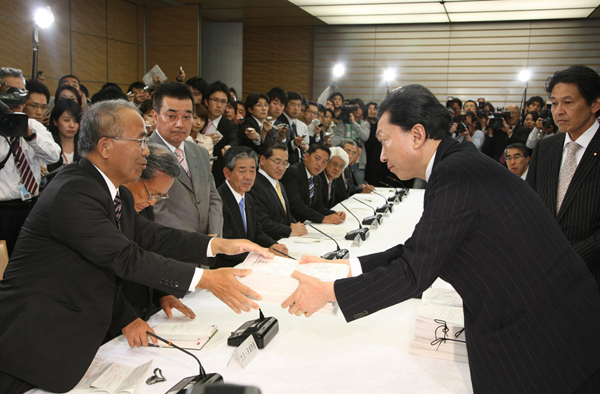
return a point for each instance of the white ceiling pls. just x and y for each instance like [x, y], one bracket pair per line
[352, 12]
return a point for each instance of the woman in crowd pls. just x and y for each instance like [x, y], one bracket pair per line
[530, 120]
[199, 127]
[146, 110]
[68, 93]
[64, 125]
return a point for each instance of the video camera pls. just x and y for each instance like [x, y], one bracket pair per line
[12, 124]
[546, 114]
[346, 111]
[496, 118]
[462, 126]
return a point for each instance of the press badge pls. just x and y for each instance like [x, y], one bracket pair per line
[25, 195]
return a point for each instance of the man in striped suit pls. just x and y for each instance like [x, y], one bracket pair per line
[531, 308]
[565, 168]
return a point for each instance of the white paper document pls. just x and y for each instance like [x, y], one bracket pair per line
[105, 376]
[282, 266]
[155, 71]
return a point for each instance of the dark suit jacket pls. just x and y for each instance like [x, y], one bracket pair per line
[61, 289]
[579, 215]
[274, 220]
[352, 187]
[293, 153]
[295, 180]
[337, 191]
[233, 226]
[249, 122]
[494, 146]
[230, 131]
[531, 308]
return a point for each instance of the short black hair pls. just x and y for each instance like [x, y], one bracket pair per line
[84, 90]
[320, 108]
[145, 106]
[534, 114]
[415, 104]
[253, 98]
[38, 87]
[170, 89]
[269, 145]
[60, 107]
[136, 85]
[278, 93]
[586, 80]
[489, 104]
[469, 101]
[109, 93]
[294, 96]
[335, 94]
[535, 99]
[216, 86]
[69, 88]
[198, 84]
[315, 147]
[232, 90]
[111, 85]
[304, 100]
[68, 76]
[518, 146]
[361, 105]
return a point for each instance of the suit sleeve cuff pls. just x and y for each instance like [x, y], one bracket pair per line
[209, 252]
[196, 278]
[355, 266]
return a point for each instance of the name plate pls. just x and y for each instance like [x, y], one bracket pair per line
[357, 240]
[245, 353]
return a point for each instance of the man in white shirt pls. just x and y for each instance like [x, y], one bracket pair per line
[21, 174]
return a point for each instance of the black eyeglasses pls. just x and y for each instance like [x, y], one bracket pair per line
[279, 163]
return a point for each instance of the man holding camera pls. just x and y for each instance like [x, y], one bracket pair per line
[500, 135]
[20, 155]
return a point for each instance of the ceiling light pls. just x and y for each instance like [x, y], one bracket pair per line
[44, 17]
[524, 75]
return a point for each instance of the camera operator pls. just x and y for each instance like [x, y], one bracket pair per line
[498, 137]
[21, 173]
[544, 127]
[469, 130]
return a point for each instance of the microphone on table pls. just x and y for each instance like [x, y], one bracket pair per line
[398, 194]
[376, 217]
[191, 383]
[386, 208]
[404, 189]
[362, 231]
[339, 254]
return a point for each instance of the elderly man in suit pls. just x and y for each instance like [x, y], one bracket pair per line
[304, 185]
[194, 203]
[531, 308]
[241, 219]
[565, 168]
[270, 197]
[62, 287]
[333, 191]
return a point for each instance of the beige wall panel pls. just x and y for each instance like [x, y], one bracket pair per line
[55, 58]
[141, 71]
[172, 25]
[122, 62]
[121, 20]
[292, 76]
[89, 16]
[140, 19]
[170, 58]
[89, 57]
[16, 52]
[284, 44]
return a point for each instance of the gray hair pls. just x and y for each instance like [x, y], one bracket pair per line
[336, 151]
[102, 119]
[160, 159]
[239, 152]
[11, 72]
[347, 141]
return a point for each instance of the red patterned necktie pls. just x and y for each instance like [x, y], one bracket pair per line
[23, 165]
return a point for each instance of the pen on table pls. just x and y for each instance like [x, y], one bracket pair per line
[285, 254]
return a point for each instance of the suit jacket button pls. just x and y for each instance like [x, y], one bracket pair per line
[198, 202]
[161, 281]
[104, 328]
[202, 223]
[171, 283]
[144, 310]
[176, 284]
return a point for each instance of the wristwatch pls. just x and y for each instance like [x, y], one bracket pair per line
[31, 137]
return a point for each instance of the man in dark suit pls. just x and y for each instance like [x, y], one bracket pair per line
[303, 185]
[270, 197]
[223, 131]
[351, 186]
[297, 138]
[61, 289]
[529, 302]
[195, 204]
[256, 129]
[240, 217]
[333, 191]
[565, 168]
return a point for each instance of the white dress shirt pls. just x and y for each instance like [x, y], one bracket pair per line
[583, 140]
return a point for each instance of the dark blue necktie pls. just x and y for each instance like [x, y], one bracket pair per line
[311, 190]
[242, 213]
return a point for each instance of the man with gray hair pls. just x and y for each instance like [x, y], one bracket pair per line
[351, 186]
[61, 290]
[240, 215]
[338, 162]
[20, 169]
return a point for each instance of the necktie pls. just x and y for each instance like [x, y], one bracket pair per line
[278, 187]
[311, 190]
[181, 159]
[567, 172]
[242, 213]
[24, 170]
[117, 203]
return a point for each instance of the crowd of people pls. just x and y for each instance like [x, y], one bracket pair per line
[205, 162]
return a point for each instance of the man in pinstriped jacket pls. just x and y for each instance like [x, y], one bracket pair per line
[531, 307]
[575, 97]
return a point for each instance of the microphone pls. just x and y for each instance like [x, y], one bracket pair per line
[404, 189]
[339, 254]
[397, 197]
[385, 208]
[362, 231]
[376, 218]
[189, 384]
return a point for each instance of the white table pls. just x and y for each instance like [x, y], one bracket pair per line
[320, 354]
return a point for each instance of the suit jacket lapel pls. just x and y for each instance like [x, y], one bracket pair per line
[555, 152]
[182, 176]
[192, 161]
[90, 169]
[267, 184]
[304, 177]
[588, 161]
[235, 210]
[249, 222]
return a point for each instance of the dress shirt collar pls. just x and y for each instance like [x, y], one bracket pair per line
[111, 187]
[585, 138]
[260, 123]
[216, 121]
[238, 196]
[430, 166]
[289, 119]
[271, 180]
[308, 173]
[524, 176]
[171, 147]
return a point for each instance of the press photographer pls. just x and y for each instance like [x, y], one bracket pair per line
[23, 144]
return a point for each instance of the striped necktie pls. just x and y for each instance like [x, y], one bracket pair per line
[566, 173]
[181, 159]
[117, 204]
[311, 190]
[23, 166]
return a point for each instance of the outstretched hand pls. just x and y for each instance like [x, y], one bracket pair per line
[168, 302]
[224, 285]
[311, 295]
